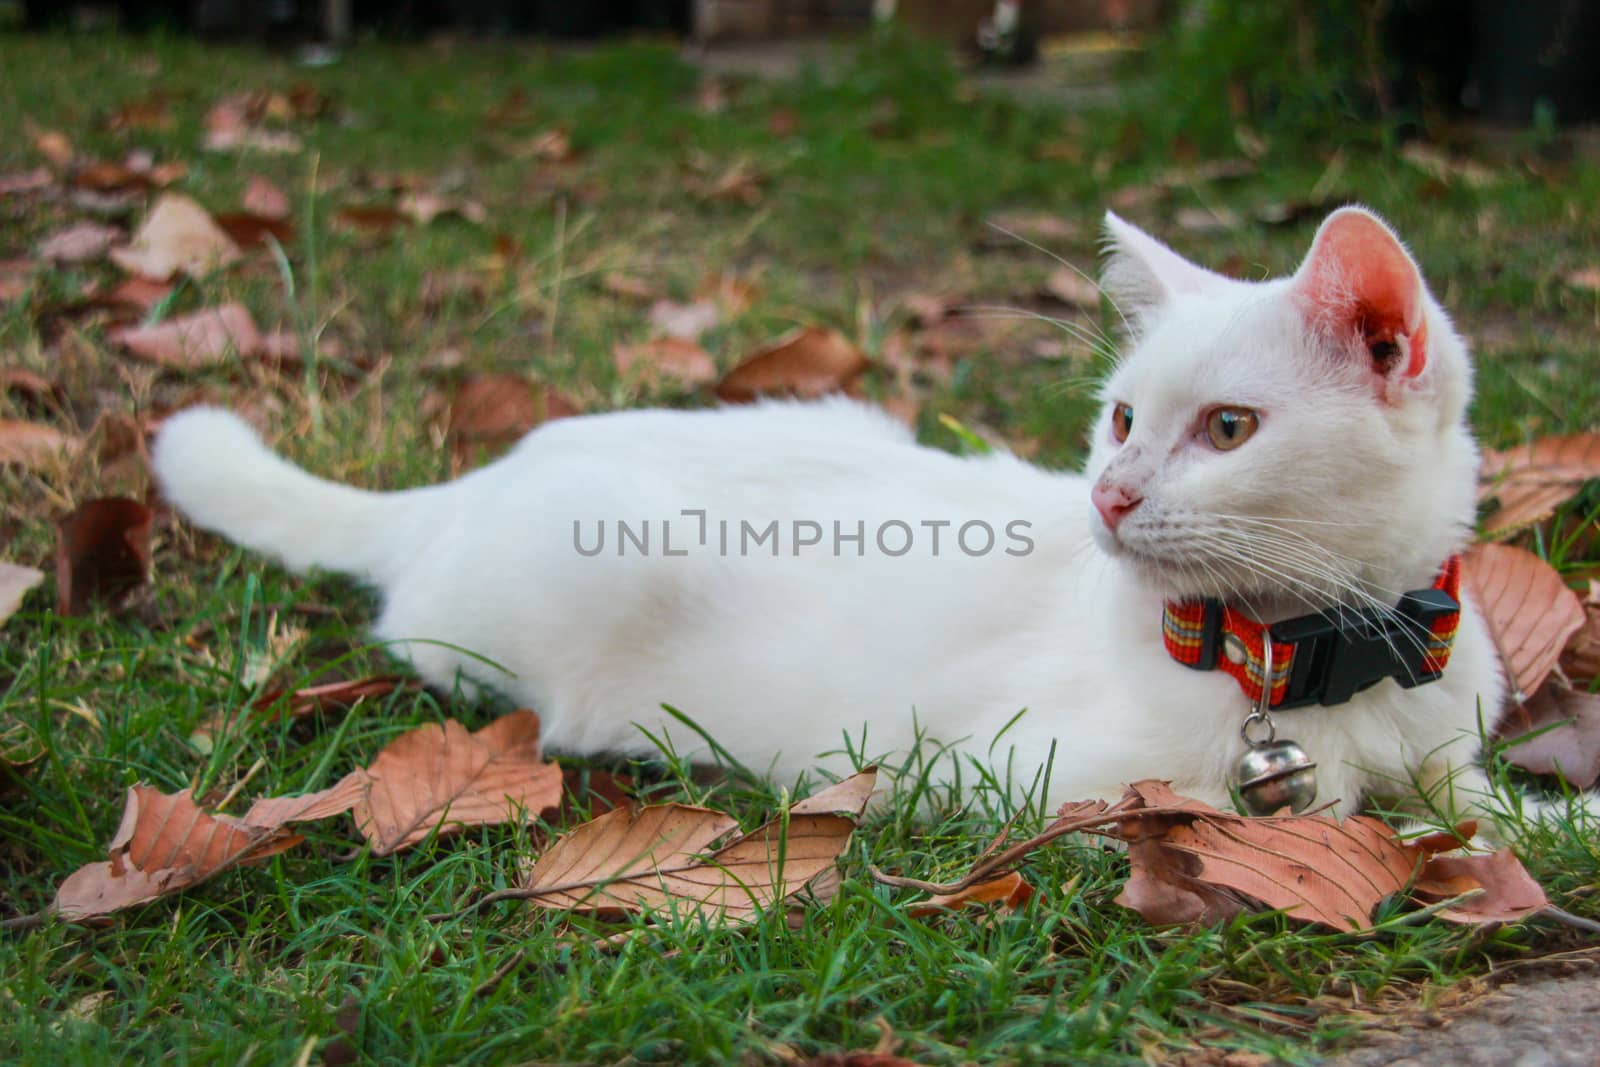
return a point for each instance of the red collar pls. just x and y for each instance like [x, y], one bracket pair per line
[1325, 658]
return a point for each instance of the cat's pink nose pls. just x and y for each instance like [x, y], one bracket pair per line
[1113, 502]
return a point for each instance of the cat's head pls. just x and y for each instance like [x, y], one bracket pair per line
[1288, 443]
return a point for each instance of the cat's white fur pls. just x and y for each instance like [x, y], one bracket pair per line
[1354, 482]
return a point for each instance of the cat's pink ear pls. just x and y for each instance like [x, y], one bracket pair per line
[1141, 274]
[1358, 283]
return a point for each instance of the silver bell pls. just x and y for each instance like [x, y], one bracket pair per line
[1274, 774]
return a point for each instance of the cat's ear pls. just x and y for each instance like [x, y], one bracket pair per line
[1141, 274]
[1359, 284]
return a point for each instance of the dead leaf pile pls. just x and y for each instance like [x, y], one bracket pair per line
[1190, 863]
[1547, 638]
[440, 779]
[667, 857]
[436, 779]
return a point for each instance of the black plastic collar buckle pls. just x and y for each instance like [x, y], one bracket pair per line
[1340, 653]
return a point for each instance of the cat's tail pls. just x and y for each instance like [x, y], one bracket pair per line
[213, 467]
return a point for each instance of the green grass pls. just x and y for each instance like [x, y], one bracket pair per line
[881, 190]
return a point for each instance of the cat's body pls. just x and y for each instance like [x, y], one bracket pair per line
[1361, 464]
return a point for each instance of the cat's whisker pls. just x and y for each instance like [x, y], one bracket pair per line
[1109, 299]
[1098, 343]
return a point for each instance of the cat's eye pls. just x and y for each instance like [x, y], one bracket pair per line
[1121, 422]
[1228, 428]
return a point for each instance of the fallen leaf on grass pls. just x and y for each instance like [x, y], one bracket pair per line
[1190, 863]
[1569, 744]
[373, 218]
[18, 183]
[189, 342]
[31, 389]
[231, 126]
[300, 703]
[15, 581]
[78, 243]
[619, 284]
[1195, 864]
[440, 778]
[685, 321]
[1008, 891]
[136, 174]
[1437, 164]
[423, 207]
[1529, 610]
[1528, 483]
[1581, 658]
[102, 553]
[177, 236]
[53, 145]
[1497, 888]
[674, 358]
[166, 843]
[1011, 228]
[1073, 288]
[33, 445]
[264, 199]
[140, 294]
[809, 362]
[651, 858]
[497, 409]
[247, 230]
[739, 182]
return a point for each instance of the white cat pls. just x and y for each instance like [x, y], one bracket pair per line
[792, 573]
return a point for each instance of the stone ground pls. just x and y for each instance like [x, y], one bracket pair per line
[1532, 1020]
[1550, 1020]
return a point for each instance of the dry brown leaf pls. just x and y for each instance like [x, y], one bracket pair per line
[809, 362]
[440, 778]
[15, 581]
[102, 553]
[247, 231]
[424, 207]
[1436, 163]
[17, 183]
[684, 321]
[1581, 658]
[1528, 483]
[299, 703]
[1009, 228]
[1192, 863]
[604, 853]
[264, 199]
[650, 859]
[165, 844]
[78, 243]
[33, 445]
[54, 146]
[1503, 890]
[1529, 610]
[273, 813]
[140, 294]
[373, 218]
[1073, 288]
[1201, 864]
[231, 125]
[189, 342]
[1008, 891]
[627, 285]
[672, 358]
[738, 183]
[499, 408]
[1313, 868]
[1587, 278]
[177, 236]
[31, 389]
[1570, 742]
